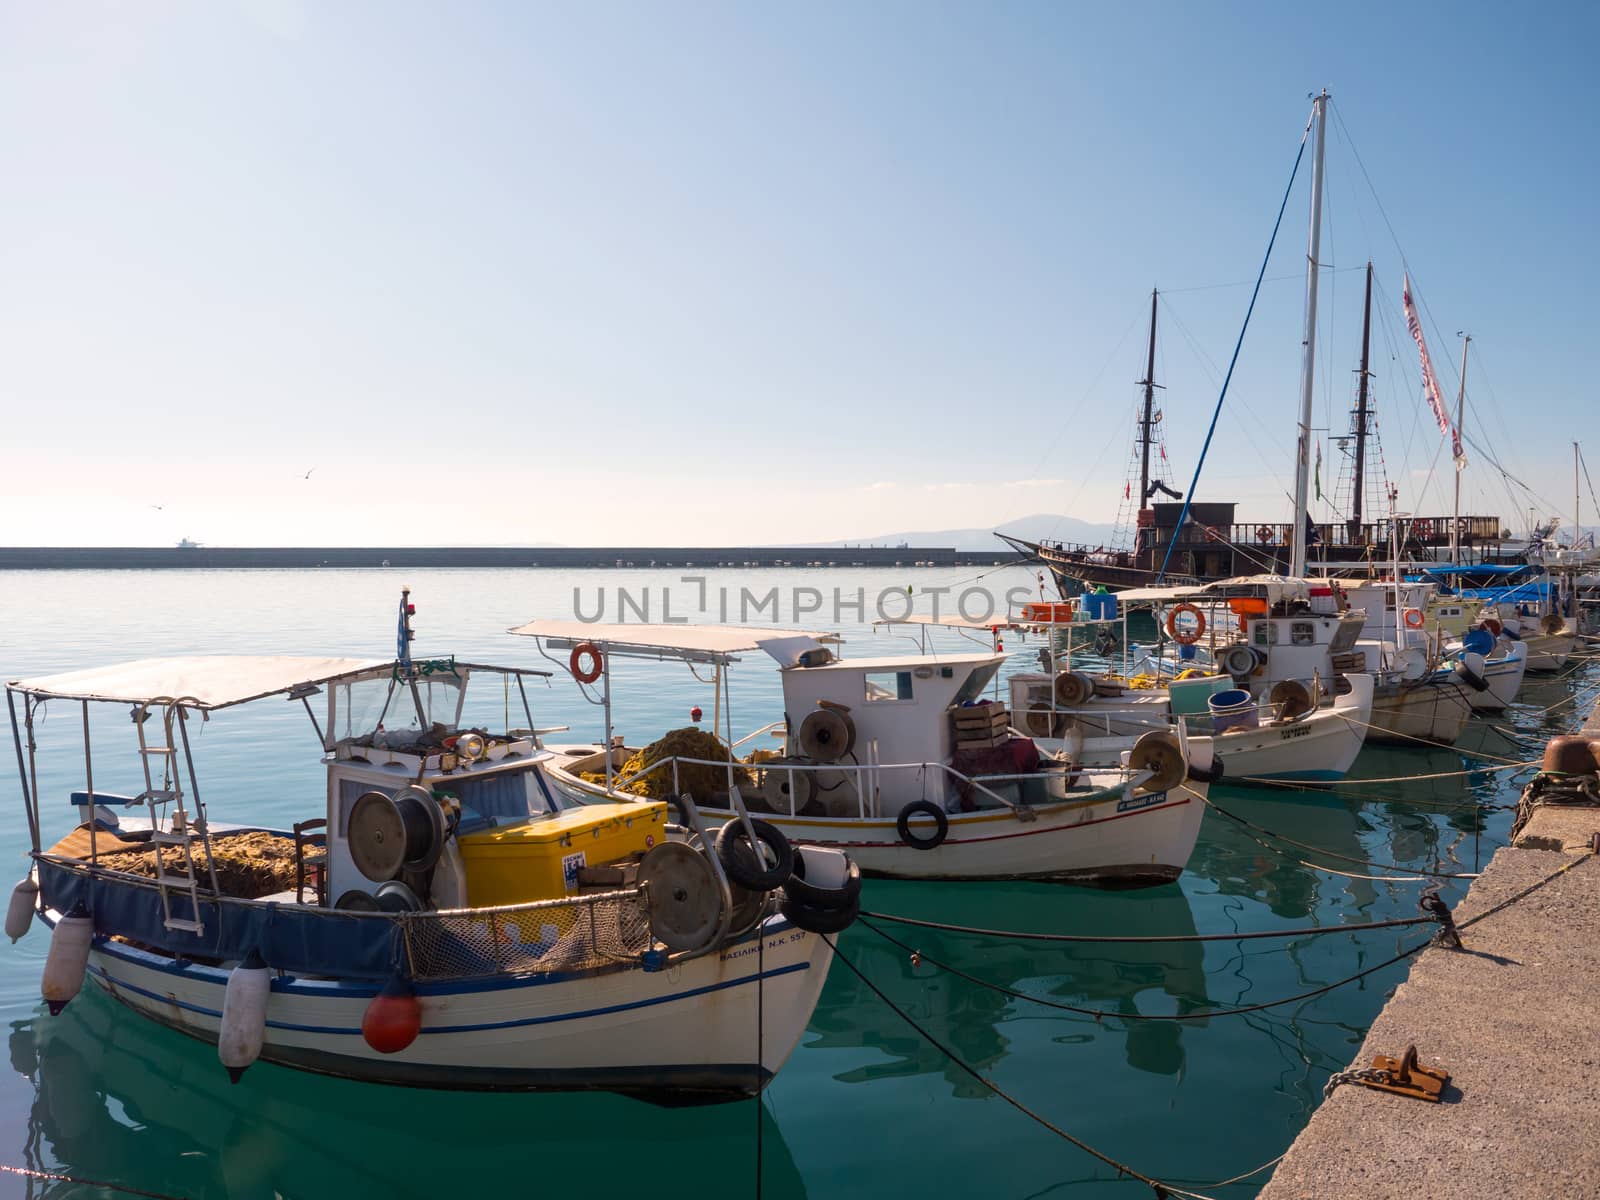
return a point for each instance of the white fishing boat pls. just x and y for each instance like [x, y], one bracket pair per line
[896, 759]
[447, 919]
[1265, 664]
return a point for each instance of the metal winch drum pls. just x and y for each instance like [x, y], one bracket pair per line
[1073, 688]
[682, 896]
[388, 834]
[1292, 699]
[827, 735]
[1161, 753]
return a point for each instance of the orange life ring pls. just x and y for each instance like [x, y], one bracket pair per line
[1186, 639]
[586, 674]
[1414, 618]
[1264, 533]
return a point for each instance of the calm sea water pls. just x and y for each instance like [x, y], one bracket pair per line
[866, 1107]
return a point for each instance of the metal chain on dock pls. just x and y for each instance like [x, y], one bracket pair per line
[1355, 1075]
[1558, 790]
[57, 1177]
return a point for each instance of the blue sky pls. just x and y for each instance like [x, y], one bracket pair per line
[721, 273]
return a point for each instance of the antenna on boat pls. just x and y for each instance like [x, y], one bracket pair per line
[402, 654]
[1302, 513]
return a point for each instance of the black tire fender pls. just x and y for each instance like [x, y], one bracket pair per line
[797, 889]
[819, 920]
[745, 867]
[902, 825]
[1471, 678]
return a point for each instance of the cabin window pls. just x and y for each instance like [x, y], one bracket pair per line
[888, 685]
[1266, 633]
[1302, 633]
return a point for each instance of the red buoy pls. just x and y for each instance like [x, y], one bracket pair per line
[695, 714]
[393, 1018]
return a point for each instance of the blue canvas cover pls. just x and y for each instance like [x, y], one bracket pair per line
[292, 938]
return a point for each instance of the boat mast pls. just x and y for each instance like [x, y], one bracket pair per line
[1145, 434]
[1461, 402]
[1361, 408]
[1297, 558]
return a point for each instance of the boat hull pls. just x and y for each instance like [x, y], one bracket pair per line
[686, 1034]
[1504, 677]
[1432, 712]
[1320, 748]
[1548, 652]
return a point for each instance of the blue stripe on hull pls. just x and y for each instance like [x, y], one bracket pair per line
[542, 1020]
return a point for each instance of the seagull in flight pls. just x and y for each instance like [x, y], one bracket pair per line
[307, 475]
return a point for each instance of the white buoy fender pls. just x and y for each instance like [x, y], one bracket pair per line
[67, 959]
[19, 916]
[244, 1014]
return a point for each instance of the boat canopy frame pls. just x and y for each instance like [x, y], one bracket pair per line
[178, 685]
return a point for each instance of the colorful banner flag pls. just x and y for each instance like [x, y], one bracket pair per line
[1430, 383]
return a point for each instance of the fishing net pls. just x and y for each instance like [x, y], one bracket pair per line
[702, 782]
[249, 865]
[561, 936]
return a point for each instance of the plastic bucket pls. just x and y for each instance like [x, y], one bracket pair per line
[1233, 709]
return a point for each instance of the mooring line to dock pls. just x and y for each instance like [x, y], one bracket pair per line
[1345, 785]
[1364, 862]
[1018, 935]
[1100, 1014]
[1161, 1190]
[56, 1177]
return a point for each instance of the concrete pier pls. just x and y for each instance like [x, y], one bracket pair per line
[1513, 1018]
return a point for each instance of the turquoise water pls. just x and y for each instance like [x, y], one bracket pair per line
[866, 1107]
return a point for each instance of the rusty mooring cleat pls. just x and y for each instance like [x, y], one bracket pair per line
[1404, 1076]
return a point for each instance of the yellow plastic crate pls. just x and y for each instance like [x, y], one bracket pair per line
[538, 859]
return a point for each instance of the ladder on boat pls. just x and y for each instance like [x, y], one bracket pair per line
[181, 830]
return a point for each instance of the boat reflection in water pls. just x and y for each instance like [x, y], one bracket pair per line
[132, 1102]
[984, 1026]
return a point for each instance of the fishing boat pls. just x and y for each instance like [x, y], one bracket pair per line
[445, 919]
[1262, 678]
[899, 759]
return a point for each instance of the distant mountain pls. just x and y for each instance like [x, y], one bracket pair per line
[1032, 528]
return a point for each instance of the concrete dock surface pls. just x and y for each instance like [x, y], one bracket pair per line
[1513, 1016]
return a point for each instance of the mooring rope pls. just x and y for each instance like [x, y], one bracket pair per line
[1364, 862]
[1083, 938]
[1155, 1185]
[1099, 1014]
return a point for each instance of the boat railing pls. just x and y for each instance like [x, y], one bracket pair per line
[866, 779]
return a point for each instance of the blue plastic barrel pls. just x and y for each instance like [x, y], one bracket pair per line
[1233, 709]
[1478, 641]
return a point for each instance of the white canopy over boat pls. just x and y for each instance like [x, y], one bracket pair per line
[201, 681]
[693, 643]
[1273, 587]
